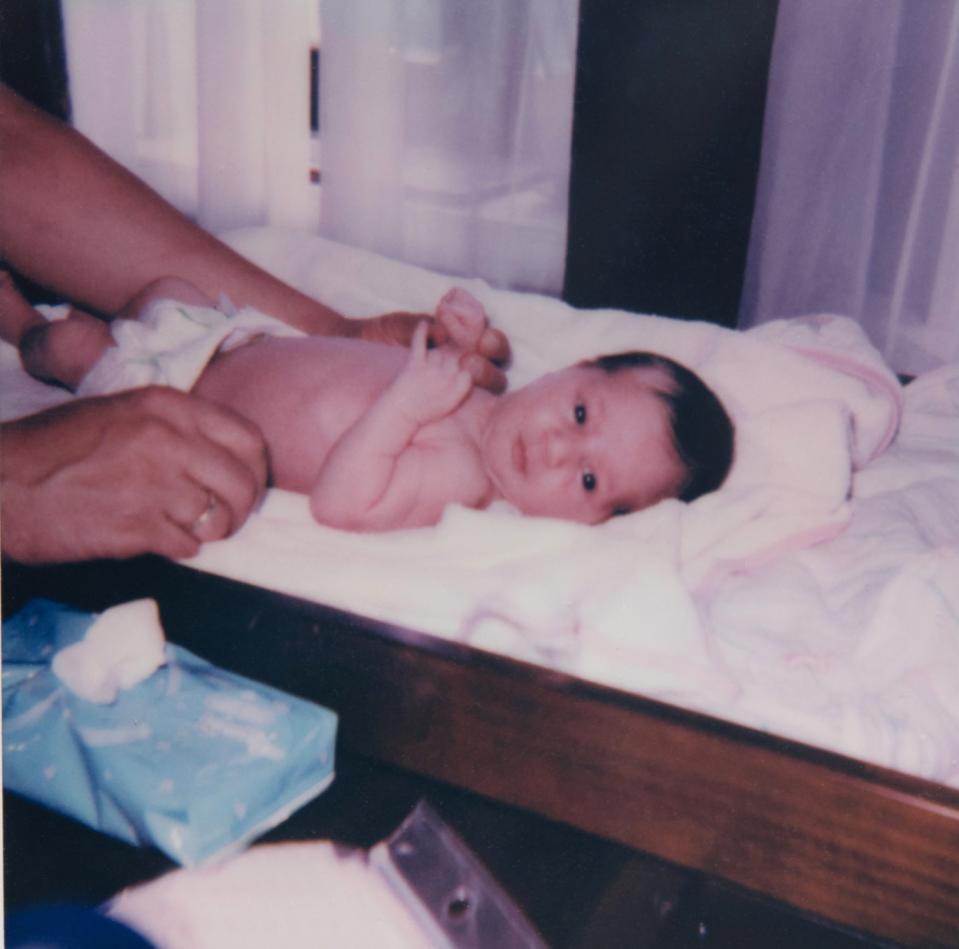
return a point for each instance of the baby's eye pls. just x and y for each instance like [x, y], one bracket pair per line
[589, 481]
[579, 413]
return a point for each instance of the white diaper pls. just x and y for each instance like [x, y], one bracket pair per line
[171, 345]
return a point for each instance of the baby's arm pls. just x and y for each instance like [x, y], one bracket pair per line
[362, 484]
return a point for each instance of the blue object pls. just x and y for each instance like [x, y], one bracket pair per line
[194, 760]
[68, 927]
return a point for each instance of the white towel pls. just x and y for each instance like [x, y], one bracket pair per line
[588, 598]
[733, 604]
[810, 398]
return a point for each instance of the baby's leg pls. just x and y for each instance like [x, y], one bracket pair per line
[165, 288]
[60, 351]
[64, 351]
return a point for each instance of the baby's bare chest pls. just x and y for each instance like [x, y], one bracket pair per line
[302, 393]
[305, 393]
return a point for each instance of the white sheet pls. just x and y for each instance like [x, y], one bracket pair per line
[722, 605]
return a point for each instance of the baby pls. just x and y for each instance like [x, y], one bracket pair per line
[380, 437]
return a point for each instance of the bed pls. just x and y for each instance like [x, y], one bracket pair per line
[763, 686]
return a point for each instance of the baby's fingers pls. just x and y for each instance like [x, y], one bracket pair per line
[494, 345]
[418, 342]
[485, 374]
[462, 385]
[451, 386]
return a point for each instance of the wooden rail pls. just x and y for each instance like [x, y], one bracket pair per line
[861, 846]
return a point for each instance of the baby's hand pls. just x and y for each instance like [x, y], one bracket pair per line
[431, 385]
[461, 326]
[463, 318]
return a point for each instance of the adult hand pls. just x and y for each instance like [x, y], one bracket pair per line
[483, 357]
[147, 471]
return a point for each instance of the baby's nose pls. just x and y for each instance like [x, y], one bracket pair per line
[558, 448]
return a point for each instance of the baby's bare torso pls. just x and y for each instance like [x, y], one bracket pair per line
[304, 393]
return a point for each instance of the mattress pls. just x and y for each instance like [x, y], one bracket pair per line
[815, 597]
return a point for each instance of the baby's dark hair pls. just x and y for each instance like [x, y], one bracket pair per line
[703, 434]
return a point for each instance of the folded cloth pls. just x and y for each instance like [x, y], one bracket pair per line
[171, 344]
[191, 759]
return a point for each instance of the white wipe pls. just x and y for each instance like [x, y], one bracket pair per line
[289, 895]
[123, 647]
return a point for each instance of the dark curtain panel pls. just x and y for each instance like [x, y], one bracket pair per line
[666, 139]
[32, 59]
[33, 64]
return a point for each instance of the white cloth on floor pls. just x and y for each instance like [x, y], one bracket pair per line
[295, 896]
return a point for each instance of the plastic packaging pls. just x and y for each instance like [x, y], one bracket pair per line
[452, 895]
[194, 760]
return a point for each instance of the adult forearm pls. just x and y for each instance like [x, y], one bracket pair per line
[77, 222]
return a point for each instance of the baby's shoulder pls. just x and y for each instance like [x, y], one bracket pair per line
[451, 462]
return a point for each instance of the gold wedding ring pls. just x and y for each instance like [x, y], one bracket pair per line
[207, 513]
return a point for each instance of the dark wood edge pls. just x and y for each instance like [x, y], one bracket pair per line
[332, 619]
[858, 845]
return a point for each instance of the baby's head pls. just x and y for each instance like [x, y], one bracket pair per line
[608, 436]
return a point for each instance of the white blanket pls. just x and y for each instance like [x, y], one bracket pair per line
[722, 605]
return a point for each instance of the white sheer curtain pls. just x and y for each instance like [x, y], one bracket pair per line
[206, 100]
[446, 133]
[445, 124]
[858, 202]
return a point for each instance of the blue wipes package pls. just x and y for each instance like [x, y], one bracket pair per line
[171, 752]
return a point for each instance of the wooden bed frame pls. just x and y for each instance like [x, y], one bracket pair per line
[861, 846]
